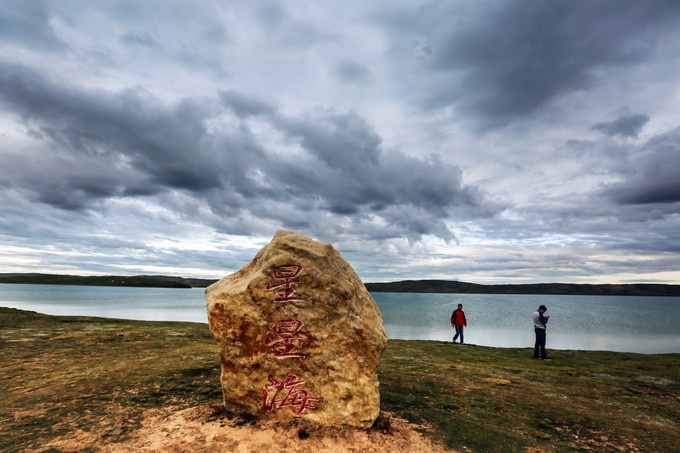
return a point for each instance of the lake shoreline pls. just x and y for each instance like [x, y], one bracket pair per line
[468, 345]
[403, 286]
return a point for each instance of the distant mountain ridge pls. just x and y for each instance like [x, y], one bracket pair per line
[140, 281]
[404, 286]
[446, 286]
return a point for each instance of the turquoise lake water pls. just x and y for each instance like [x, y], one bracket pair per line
[612, 323]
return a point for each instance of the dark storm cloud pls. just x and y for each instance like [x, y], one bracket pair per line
[654, 178]
[346, 173]
[243, 105]
[128, 130]
[115, 145]
[357, 172]
[342, 141]
[625, 126]
[505, 60]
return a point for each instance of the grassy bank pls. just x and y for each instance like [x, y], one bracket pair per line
[61, 374]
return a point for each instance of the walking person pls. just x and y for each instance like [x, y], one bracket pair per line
[458, 321]
[540, 323]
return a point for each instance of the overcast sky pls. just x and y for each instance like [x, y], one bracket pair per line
[483, 141]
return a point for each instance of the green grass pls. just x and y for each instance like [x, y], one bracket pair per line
[61, 374]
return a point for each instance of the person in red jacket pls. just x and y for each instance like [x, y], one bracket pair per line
[458, 321]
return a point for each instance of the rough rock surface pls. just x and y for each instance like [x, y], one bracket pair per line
[299, 336]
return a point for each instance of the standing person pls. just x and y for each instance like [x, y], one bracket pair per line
[540, 322]
[458, 321]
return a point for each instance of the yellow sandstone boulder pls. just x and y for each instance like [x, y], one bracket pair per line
[299, 336]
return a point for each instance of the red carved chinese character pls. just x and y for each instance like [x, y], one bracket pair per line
[286, 332]
[286, 394]
[286, 277]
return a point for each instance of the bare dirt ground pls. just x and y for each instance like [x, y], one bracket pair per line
[204, 429]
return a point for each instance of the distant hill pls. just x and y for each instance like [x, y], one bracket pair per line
[147, 281]
[445, 286]
[405, 286]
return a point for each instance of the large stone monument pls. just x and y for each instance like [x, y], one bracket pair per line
[299, 336]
